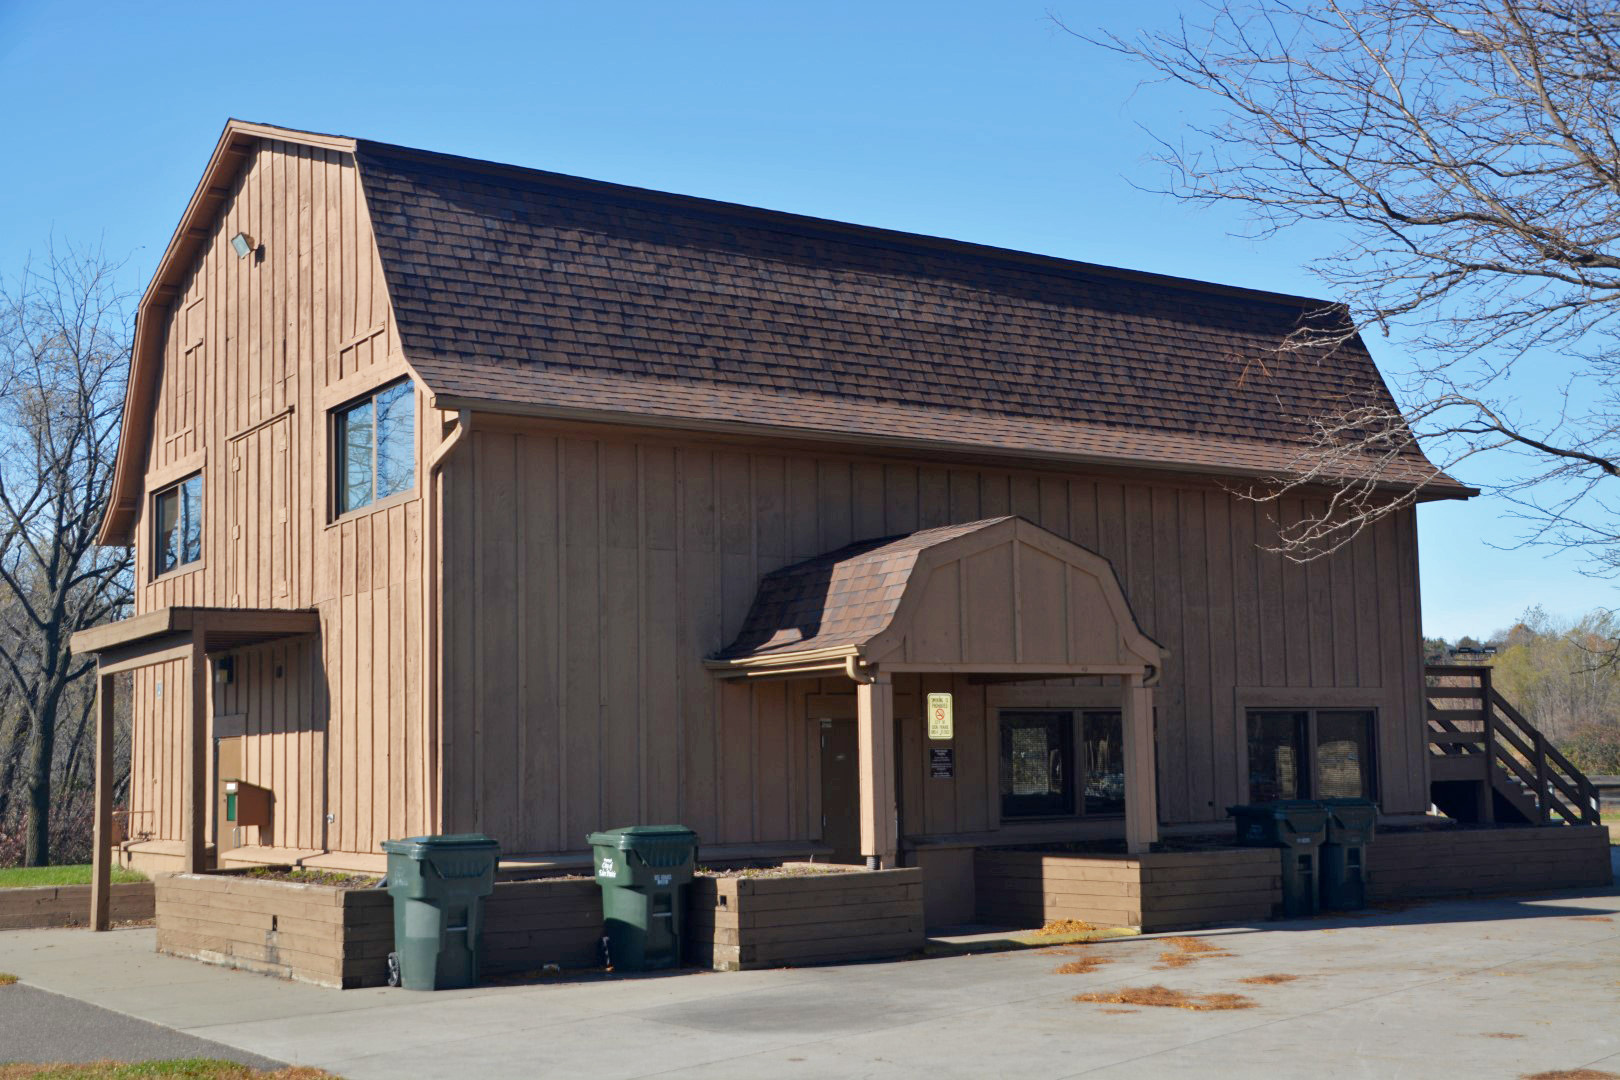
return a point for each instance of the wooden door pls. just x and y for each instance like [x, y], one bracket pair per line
[840, 790]
[227, 766]
[261, 538]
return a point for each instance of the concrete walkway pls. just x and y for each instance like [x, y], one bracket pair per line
[1489, 988]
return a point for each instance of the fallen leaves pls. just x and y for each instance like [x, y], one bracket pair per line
[1083, 966]
[1186, 950]
[1163, 997]
[1268, 980]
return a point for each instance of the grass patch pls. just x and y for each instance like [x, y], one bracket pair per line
[1083, 966]
[25, 877]
[1268, 980]
[7, 979]
[1186, 950]
[1161, 997]
[181, 1069]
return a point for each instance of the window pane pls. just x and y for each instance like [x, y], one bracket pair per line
[396, 440]
[1104, 758]
[354, 443]
[1275, 756]
[191, 517]
[1344, 754]
[1035, 752]
[167, 530]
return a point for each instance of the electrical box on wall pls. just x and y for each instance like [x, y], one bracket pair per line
[246, 804]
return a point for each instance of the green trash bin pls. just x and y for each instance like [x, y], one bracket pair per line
[438, 884]
[1350, 826]
[643, 871]
[1297, 827]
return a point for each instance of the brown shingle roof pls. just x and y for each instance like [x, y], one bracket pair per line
[845, 597]
[536, 291]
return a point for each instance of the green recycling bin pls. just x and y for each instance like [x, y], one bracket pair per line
[643, 871]
[1350, 826]
[1297, 827]
[438, 884]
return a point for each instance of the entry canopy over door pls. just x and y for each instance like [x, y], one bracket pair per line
[1000, 596]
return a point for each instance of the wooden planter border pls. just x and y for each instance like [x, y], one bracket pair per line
[740, 923]
[44, 906]
[1470, 862]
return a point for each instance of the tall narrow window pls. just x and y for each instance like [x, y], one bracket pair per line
[177, 524]
[1103, 735]
[375, 444]
[1344, 754]
[1276, 760]
[1036, 775]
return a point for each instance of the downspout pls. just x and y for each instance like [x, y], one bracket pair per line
[433, 614]
[852, 668]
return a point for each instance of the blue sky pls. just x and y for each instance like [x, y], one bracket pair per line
[980, 121]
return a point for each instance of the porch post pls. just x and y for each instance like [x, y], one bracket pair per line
[101, 856]
[875, 732]
[194, 807]
[1141, 774]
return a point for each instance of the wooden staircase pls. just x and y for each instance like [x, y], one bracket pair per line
[1487, 763]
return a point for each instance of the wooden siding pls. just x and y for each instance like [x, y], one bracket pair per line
[588, 574]
[255, 353]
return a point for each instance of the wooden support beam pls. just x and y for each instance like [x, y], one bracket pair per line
[101, 856]
[875, 734]
[194, 796]
[1141, 771]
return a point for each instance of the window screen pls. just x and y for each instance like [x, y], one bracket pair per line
[1276, 755]
[177, 524]
[375, 445]
[1344, 754]
[1036, 749]
[1103, 751]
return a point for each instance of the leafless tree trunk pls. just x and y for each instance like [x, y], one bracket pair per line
[64, 358]
[1466, 152]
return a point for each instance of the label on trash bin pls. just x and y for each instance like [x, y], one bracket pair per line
[663, 879]
[607, 869]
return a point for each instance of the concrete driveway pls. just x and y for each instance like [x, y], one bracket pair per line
[1487, 988]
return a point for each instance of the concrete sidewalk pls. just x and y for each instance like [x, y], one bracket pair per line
[1488, 988]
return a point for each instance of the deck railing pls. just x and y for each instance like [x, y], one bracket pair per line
[1475, 732]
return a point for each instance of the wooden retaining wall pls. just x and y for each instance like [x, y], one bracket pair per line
[342, 937]
[69, 905]
[737, 923]
[1463, 862]
[1173, 890]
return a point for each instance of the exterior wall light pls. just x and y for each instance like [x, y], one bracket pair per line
[242, 244]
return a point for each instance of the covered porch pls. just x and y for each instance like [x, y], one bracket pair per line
[999, 605]
[188, 636]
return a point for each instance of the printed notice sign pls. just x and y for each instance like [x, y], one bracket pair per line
[942, 763]
[941, 718]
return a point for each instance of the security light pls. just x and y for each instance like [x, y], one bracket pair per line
[241, 243]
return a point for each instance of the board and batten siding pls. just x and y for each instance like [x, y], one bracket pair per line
[255, 353]
[588, 573]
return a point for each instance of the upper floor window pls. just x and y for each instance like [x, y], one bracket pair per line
[177, 524]
[375, 442]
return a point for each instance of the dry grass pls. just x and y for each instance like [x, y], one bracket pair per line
[191, 1069]
[1083, 966]
[1186, 950]
[1268, 980]
[1059, 927]
[7, 979]
[1164, 998]
[1570, 1074]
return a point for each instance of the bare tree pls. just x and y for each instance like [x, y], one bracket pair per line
[1465, 154]
[64, 359]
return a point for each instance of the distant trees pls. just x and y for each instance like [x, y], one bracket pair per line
[65, 333]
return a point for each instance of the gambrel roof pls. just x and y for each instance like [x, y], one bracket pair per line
[518, 290]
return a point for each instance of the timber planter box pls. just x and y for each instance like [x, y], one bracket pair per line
[40, 907]
[1470, 861]
[341, 937]
[1154, 891]
[819, 916]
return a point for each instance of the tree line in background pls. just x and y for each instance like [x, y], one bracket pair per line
[65, 334]
[1561, 674]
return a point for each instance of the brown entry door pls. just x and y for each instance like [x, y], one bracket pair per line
[227, 766]
[840, 791]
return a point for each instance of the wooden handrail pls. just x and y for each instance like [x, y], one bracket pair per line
[1516, 752]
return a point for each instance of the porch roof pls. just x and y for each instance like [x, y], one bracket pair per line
[218, 628]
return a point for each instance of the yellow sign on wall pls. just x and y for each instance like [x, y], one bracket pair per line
[941, 717]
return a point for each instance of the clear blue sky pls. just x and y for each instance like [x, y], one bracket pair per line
[979, 121]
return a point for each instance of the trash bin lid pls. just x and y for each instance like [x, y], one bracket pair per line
[422, 847]
[626, 838]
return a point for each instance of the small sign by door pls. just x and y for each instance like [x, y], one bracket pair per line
[941, 763]
[941, 717]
